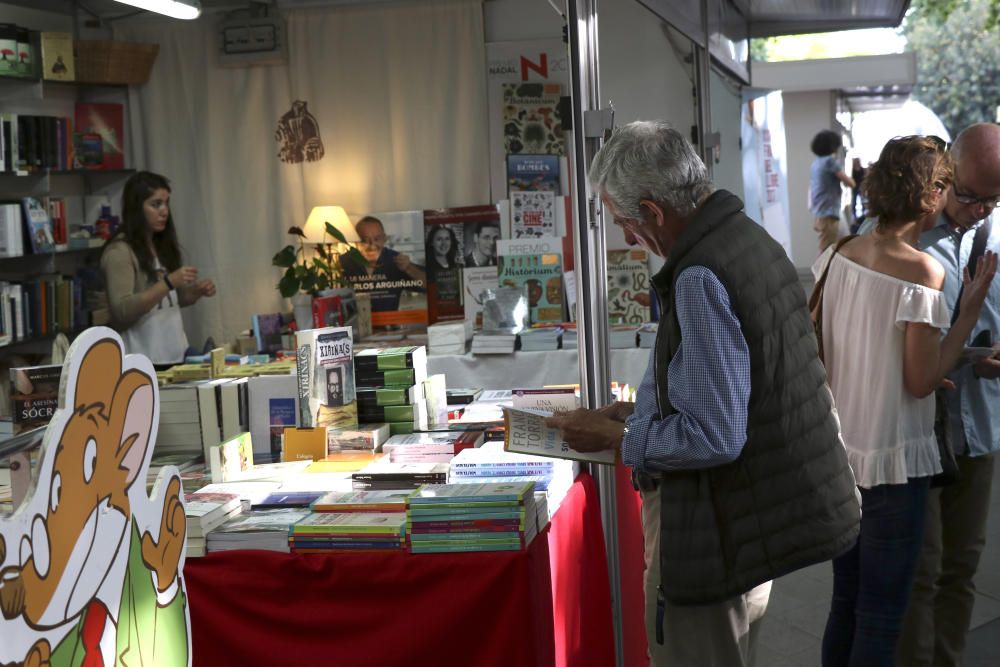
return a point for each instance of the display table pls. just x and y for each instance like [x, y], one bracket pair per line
[531, 369]
[548, 605]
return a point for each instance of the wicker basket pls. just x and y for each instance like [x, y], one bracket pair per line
[101, 61]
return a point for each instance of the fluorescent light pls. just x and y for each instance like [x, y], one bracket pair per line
[178, 9]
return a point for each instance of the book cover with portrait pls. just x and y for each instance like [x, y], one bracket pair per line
[324, 359]
[540, 276]
[388, 265]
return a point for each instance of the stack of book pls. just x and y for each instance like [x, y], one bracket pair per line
[623, 336]
[493, 343]
[323, 532]
[463, 395]
[647, 335]
[540, 340]
[448, 337]
[362, 501]
[570, 340]
[367, 437]
[387, 475]
[435, 447]
[471, 517]
[263, 529]
[189, 419]
[491, 464]
[390, 387]
[205, 512]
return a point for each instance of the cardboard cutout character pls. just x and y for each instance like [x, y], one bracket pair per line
[90, 565]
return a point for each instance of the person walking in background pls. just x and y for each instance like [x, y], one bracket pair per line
[732, 438]
[146, 280]
[883, 285]
[940, 610]
[825, 178]
[859, 207]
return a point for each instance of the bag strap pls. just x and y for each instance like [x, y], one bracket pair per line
[978, 248]
[816, 298]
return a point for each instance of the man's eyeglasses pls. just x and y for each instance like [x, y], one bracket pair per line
[968, 199]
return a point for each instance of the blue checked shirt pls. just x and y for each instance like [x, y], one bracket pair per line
[709, 386]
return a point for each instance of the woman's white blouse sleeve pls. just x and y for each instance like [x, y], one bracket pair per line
[922, 305]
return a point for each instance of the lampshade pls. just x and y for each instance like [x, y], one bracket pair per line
[315, 229]
[177, 9]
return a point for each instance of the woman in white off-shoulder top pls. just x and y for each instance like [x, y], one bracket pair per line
[883, 312]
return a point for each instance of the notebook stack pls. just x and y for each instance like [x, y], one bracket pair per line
[471, 517]
[259, 529]
[189, 419]
[448, 337]
[390, 387]
[324, 532]
[570, 341]
[623, 336]
[540, 340]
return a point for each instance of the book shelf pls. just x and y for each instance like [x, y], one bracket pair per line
[68, 274]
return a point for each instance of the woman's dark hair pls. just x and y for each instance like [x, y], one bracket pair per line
[452, 254]
[905, 183]
[135, 230]
[826, 142]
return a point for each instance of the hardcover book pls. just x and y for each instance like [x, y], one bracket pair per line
[628, 286]
[540, 277]
[388, 266]
[58, 63]
[533, 173]
[532, 123]
[272, 408]
[107, 121]
[231, 459]
[532, 214]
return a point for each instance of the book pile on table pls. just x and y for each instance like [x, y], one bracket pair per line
[493, 343]
[448, 337]
[471, 517]
[362, 501]
[388, 475]
[540, 340]
[259, 529]
[322, 532]
[390, 387]
[433, 447]
[570, 340]
[205, 512]
[647, 335]
[491, 464]
[623, 336]
[368, 437]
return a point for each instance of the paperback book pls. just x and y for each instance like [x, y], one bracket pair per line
[526, 432]
[532, 123]
[326, 393]
[39, 225]
[34, 391]
[540, 276]
[105, 120]
[533, 173]
[532, 214]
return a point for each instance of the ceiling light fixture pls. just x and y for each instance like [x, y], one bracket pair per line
[178, 9]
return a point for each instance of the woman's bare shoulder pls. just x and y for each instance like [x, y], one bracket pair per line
[920, 268]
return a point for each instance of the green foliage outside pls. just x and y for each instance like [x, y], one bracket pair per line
[957, 43]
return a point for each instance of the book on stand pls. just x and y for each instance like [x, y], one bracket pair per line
[326, 392]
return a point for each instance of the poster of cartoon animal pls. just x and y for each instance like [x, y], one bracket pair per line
[91, 565]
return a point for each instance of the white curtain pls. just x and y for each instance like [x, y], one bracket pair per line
[398, 92]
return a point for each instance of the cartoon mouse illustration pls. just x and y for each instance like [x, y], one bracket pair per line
[90, 565]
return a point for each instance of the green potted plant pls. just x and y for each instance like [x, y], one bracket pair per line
[309, 272]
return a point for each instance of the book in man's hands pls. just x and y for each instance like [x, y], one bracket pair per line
[527, 433]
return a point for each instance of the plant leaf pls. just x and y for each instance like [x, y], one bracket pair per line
[297, 231]
[289, 284]
[335, 233]
[284, 257]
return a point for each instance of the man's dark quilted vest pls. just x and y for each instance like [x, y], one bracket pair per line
[789, 500]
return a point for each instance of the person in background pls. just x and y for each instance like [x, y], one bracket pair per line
[732, 439]
[483, 250]
[146, 280]
[882, 284]
[937, 619]
[825, 178]
[859, 206]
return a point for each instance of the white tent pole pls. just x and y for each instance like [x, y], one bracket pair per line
[589, 126]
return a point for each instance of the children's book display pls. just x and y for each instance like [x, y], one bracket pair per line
[628, 286]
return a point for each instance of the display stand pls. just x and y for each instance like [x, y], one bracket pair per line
[541, 607]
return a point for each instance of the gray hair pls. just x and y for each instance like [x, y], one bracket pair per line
[650, 160]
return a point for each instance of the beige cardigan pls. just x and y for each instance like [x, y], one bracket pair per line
[124, 280]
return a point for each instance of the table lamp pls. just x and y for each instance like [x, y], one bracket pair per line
[316, 229]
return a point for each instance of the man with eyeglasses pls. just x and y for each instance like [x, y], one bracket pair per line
[376, 269]
[940, 608]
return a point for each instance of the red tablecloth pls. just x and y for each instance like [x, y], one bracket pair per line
[549, 605]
